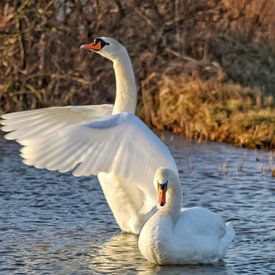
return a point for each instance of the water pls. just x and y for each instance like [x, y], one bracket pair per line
[53, 223]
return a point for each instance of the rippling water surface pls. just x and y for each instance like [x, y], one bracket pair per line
[53, 223]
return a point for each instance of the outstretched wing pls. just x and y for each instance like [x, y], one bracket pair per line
[29, 124]
[120, 143]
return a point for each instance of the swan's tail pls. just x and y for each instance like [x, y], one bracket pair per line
[227, 239]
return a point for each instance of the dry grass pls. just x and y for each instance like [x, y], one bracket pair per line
[211, 110]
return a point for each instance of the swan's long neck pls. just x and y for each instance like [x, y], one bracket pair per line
[126, 90]
[173, 202]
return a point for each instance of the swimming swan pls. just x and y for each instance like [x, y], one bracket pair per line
[103, 140]
[182, 236]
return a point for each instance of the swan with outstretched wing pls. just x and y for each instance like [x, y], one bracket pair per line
[104, 140]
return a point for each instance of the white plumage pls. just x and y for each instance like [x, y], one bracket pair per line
[121, 144]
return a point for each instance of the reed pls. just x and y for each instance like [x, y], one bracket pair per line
[211, 110]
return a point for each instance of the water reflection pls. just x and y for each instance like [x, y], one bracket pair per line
[219, 269]
[120, 254]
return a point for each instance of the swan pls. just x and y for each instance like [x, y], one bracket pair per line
[104, 140]
[174, 236]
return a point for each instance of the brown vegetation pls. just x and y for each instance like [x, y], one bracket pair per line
[211, 110]
[212, 48]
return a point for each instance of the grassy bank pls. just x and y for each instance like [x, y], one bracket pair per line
[211, 110]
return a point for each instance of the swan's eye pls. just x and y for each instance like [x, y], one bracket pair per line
[97, 40]
[101, 41]
[163, 186]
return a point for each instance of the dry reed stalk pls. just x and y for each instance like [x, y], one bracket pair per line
[213, 110]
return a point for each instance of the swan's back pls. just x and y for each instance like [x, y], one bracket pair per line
[200, 236]
[200, 221]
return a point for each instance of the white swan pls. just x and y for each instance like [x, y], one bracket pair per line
[99, 140]
[175, 236]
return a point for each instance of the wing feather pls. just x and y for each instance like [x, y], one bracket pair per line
[26, 124]
[121, 144]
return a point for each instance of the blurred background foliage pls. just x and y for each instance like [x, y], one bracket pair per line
[226, 47]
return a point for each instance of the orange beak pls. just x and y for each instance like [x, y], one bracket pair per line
[162, 197]
[162, 188]
[95, 46]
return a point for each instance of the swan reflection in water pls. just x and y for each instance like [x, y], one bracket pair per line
[120, 255]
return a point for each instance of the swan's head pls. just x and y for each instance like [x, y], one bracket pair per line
[166, 181]
[107, 47]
